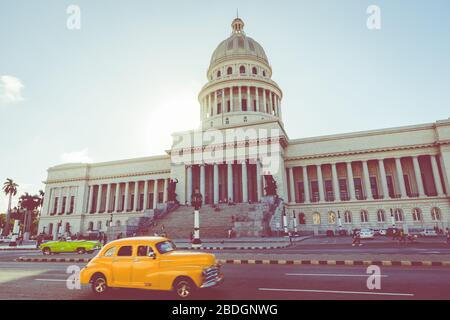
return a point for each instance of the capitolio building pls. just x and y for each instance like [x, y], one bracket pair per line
[254, 178]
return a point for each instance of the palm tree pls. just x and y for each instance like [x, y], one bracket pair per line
[29, 203]
[10, 189]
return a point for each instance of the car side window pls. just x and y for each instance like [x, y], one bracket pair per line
[126, 251]
[110, 252]
[144, 251]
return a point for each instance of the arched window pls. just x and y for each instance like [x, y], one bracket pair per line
[364, 216]
[242, 70]
[381, 216]
[417, 214]
[331, 217]
[264, 73]
[255, 71]
[227, 121]
[347, 217]
[219, 74]
[229, 71]
[398, 215]
[436, 214]
[90, 226]
[316, 218]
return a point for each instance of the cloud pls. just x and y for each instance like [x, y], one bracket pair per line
[10, 89]
[76, 157]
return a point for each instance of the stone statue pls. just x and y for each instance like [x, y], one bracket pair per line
[171, 190]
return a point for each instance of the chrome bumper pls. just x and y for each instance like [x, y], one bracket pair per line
[212, 277]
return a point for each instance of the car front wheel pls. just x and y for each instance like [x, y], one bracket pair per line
[99, 285]
[184, 288]
[47, 251]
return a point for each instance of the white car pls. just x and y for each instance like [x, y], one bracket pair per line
[428, 233]
[366, 234]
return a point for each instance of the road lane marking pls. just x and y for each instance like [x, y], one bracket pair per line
[330, 275]
[51, 280]
[340, 292]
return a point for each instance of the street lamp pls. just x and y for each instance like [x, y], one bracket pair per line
[285, 222]
[295, 222]
[197, 201]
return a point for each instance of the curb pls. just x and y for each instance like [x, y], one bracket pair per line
[281, 262]
[234, 248]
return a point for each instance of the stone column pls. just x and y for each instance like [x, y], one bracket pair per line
[155, 194]
[60, 200]
[384, 184]
[418, 177]
[223, 101]
[265, 101]
[249, 100]
[127, 191]
[436, 175]
[367, 180]
[67, 201]
[401, 180]
[209, 105]
[230, 181]
[165, 192]
[116, 204]
[99, 198]
[216, 183]
[306, 184]
[336, 191]
[231, 100]
[351, 182]
[203, 182]
[189, 184]
[258, 108]
[108, 198]
[244, 183]
[259, 180]
[320, 183]
[240, 98]
[145, 206]
[216, 102]
[292, 185]
[136, 196]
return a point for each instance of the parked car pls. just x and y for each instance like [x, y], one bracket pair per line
[377, 231]
[68, 246]
[151, 263]
[366, 234]
[428, 233]
[390, 232]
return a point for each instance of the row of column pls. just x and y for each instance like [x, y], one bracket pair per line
[126, 205]
[58, 201]
[230, 190]
[270, 101]
[366, 178]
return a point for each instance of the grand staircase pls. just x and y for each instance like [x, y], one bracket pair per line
[214, 222]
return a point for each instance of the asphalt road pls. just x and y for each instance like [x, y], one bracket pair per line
[243, 282]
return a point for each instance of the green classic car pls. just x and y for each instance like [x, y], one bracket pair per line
[68, 246]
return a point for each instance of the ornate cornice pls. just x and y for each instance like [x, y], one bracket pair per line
[113, 177]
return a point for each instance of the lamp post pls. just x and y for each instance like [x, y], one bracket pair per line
[197, 201]
[285, 222]
[392, 218]
[295, 223]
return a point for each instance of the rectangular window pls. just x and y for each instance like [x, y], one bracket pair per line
[229, 106]
[358, 189]
[122, 208]
[374, 187]
[161, 197]
[244, 104]
[407, 185]
[219, 108]
[63, 207]
[150, 201]
[301, 190]
[132, 201]
[315, 191]
[55, 205]
[390, 183]
[72, 204]
[329, 190]
[141, 202]
[343, 189]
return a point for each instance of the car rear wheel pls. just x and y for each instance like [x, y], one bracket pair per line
[46, 251]
[81, 251]
[184, 288]
[99, 285]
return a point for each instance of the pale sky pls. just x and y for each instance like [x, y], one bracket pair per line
[119, 87]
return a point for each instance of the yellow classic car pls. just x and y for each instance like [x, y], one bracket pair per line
[150, 263]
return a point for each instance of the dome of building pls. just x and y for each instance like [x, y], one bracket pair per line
[238, 45]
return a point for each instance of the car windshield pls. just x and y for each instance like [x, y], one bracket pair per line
[166, 247]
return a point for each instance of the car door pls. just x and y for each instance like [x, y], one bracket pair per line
[122, 266]
[145, 268]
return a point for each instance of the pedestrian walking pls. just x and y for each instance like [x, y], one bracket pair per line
[356, 238]
[447, 235]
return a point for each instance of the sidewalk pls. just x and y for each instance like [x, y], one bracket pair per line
[25, 247]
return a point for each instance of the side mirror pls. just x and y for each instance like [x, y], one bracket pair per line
[152, 255]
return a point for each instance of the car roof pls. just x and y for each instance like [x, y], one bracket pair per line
[137, 240]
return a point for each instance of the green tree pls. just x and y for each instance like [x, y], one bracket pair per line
[10, 189]
[29, 204]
